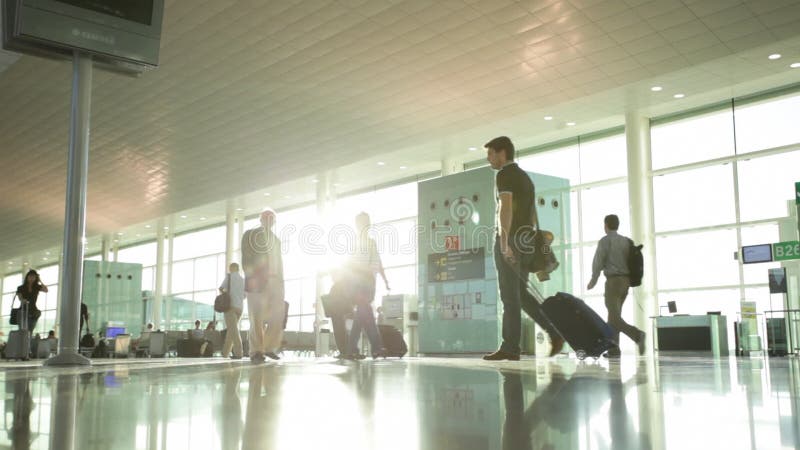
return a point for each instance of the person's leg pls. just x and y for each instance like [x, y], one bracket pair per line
[616, 290]
[275, 315]
[339, 332]
[367, 318]
[509, 296]
[355, 335]
[229, 317]
[237, 336]
[256, 306]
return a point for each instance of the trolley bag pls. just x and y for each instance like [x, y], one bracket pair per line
[577, 323]
[393, 341]
[19, 341]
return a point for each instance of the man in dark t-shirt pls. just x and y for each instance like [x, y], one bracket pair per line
[515, 214]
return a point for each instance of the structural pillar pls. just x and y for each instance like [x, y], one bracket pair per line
[159, 282]
[326, 197]
[75, 214]
[230, 233]
[643, 230]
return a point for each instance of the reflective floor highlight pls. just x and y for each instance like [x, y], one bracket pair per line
[426, 403]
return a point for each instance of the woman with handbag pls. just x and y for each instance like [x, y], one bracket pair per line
[28, 293]
[233, 285]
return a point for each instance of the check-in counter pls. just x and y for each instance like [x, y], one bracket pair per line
[707, 333]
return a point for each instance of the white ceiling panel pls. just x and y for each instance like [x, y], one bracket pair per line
[255, 96]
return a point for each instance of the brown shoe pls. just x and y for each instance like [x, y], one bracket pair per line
[557, 344]
[500, 356]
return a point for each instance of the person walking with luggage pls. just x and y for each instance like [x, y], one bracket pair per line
[516, 206]
[362, 267]
[263, 269]
[234, 286]
[611, 257]
[28, 292]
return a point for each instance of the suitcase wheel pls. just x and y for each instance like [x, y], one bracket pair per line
[580, 354]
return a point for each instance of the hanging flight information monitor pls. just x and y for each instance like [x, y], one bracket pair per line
[122, 33]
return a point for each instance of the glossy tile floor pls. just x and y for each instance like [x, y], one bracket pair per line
[441, 404]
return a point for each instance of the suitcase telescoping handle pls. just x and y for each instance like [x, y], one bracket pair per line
[532, 289]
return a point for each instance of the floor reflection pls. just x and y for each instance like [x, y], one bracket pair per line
[436, 404]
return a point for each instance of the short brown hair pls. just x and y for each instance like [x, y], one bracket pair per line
[502, 143]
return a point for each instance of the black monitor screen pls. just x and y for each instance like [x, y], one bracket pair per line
[752, 254]
[134, 10]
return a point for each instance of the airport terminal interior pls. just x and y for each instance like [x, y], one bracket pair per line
[140, 143]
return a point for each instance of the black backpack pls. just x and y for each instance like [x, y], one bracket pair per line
[635, 264]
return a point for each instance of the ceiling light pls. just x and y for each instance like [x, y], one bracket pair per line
[548, 117]
[239, 209]
[147, 226]
[138, 235]
[120, 234]
[472, 149]
[795, 65]
[287, 196]
[183, 217]
[656, 88]
[202, 218]
[403, 167]
[166, 228]
[381, 163]
[337, 184]
[570, 124]
[679, 96]
[116, 240]
[774, 56]
[44, 259]
[267, 194]
[315, 180]
[47, 253]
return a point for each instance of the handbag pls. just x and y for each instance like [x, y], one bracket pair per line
[223, 301]
[15, 312]
[540, 258]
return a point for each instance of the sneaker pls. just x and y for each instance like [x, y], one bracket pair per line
[257, 358]
[272, 355]
[557, 344]
[642, 343]
[500, 356]
[611, 355]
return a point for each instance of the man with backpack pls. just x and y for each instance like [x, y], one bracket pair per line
[616, 257]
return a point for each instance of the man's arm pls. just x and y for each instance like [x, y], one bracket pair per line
[506, 214]
[600, 256]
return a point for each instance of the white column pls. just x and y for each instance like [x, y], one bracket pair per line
[105, 247]
[640, 192]
[230, 233]
[451, 165]
[159, 282]
[170, 236]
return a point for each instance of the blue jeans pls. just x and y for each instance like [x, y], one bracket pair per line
[365, 320]
[515, 297]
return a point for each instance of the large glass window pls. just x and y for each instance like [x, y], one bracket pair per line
[562, 162]
[766, 184]
[601, 201]
[199, 243]
[698, 138]
[767, 124]
[694, 198]
[694, 260]
[601, 159]
[144, 254]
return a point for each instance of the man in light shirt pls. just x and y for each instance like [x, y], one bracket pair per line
[263, 270]
[234, 286]
[611, 258]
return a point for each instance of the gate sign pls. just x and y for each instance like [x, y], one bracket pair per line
[784, 251]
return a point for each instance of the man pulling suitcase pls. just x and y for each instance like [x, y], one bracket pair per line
[516, 196]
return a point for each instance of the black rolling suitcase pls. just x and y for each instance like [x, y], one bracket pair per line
[393, 341]
[586, 332]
